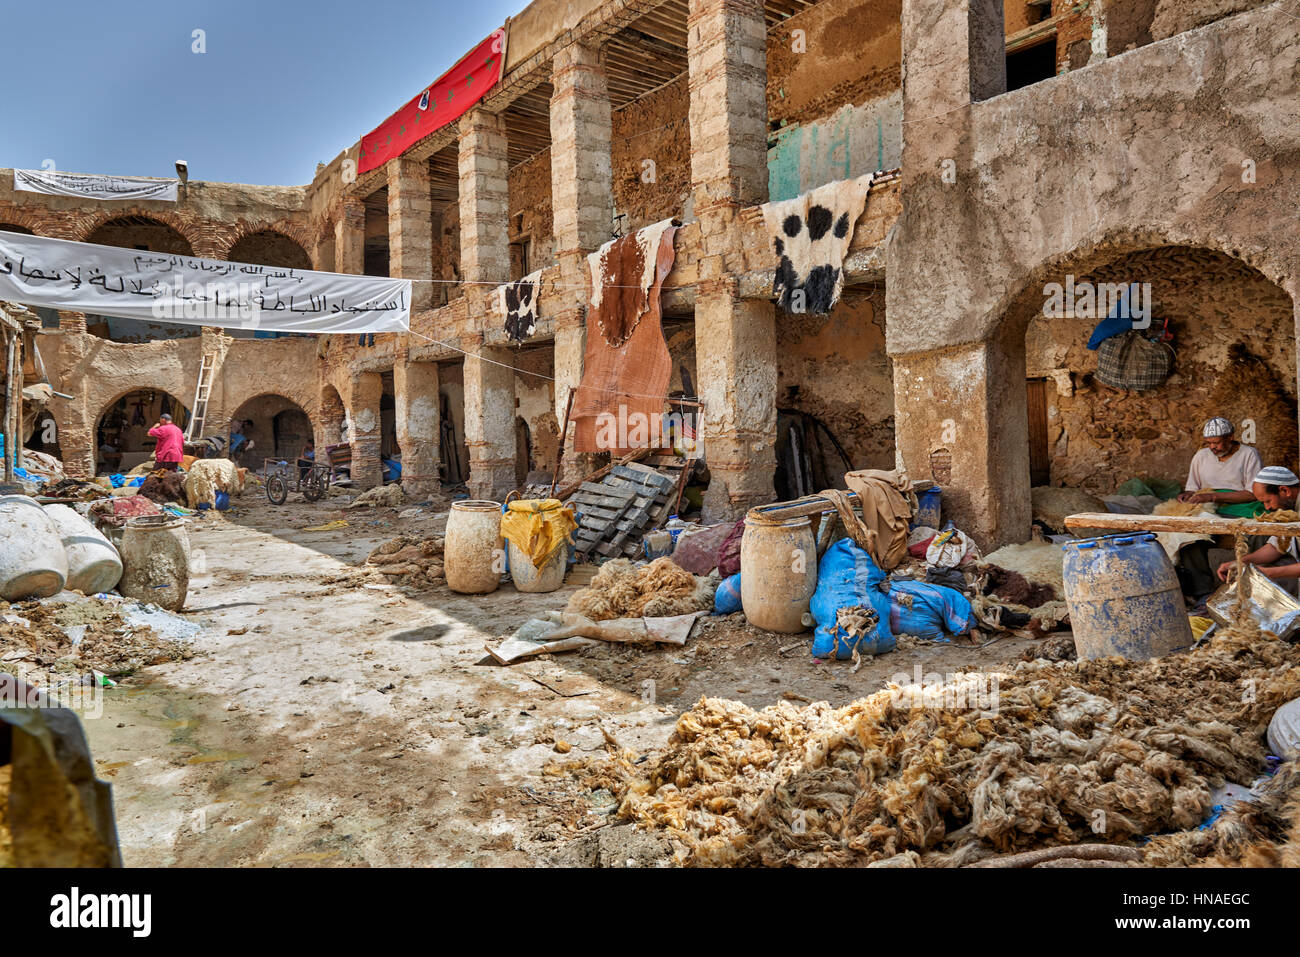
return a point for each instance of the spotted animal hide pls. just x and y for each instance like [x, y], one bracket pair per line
[519, 305]
[811, 235]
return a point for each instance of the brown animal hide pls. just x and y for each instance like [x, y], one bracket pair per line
[626, 368]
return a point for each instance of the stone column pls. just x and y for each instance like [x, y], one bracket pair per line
[410, 227]
[955, 54]
[975, 443]
[415, 389]
[350, 237]
[485, 262]
[582, 197]
[489, 420]
[365, 391]
[72, 323]
[735, 339]
[76, 419]
[484, 201]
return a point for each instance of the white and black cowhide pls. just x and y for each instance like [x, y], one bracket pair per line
[811, 235]
[519, 303]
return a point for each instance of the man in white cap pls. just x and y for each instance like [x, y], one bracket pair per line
[1225, 467]
[1278, 558]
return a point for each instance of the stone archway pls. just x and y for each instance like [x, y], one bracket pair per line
[963, 406]
[280, 427]
[137, 231]
[1232, 338]
[123, 425]
[269, 247]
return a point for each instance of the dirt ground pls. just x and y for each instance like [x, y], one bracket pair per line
[329, 719]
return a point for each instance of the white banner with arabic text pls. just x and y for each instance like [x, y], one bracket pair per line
[94, 185]
[161, 287]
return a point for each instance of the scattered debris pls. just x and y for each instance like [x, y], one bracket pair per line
[410, 560]
[390, 496]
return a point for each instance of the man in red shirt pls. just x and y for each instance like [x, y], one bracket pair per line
[171, 444]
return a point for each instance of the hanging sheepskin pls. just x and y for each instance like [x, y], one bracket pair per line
[518, 303]
[811, 235]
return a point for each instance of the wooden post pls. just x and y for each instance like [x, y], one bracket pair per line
[12, 397]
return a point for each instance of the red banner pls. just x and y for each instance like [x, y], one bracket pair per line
[451, 95]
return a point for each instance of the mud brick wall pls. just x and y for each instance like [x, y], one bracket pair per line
[652, 129]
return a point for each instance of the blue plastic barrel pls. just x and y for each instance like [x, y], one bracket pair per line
[1124, 598]
[927, 508]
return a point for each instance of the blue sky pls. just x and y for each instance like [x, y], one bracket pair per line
[114, 87]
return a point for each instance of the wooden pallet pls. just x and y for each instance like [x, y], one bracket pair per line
[615, 513]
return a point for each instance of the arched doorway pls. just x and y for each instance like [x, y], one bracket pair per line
[122, 438]
[267, 247]
[279, 428]
[1231, 334]
[145, 233]
[332, 414]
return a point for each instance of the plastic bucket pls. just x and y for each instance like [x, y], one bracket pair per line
[928, 508]
[155, 554]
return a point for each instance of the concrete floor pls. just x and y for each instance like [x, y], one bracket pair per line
[325, 722]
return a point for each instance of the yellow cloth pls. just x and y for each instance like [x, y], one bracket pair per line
[327, 527]
[538, 527]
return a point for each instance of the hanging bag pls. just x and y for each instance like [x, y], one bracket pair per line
[1132, 361]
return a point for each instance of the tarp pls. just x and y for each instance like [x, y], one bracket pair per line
[94, 186]
[161, 287]
[447, 99]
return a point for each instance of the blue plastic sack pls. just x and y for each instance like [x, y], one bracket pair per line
[117, 479]
[136, 482]
[847, 577]
[726, 599]
[932, 612]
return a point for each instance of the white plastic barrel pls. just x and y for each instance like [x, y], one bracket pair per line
[472, 548]
[93, 563]
[32, 561]
[529, 578]
[778, 571]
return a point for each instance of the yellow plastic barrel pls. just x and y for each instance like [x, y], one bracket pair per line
[473, 552]
[778, 572]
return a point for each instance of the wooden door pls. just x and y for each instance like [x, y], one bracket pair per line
[1040, 463]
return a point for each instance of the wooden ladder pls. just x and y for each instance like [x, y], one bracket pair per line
[202, 392]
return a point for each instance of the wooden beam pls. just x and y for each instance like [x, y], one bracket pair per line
[1196, 524]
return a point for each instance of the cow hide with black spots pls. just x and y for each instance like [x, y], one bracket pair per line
[811, 235]
[519, 304]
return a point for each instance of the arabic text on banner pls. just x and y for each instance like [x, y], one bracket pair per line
[161, 287]
[94, 186]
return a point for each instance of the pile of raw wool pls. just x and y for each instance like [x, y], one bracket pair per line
[1101, 751]
[379, 496]
[409, 560]
[657, 590]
